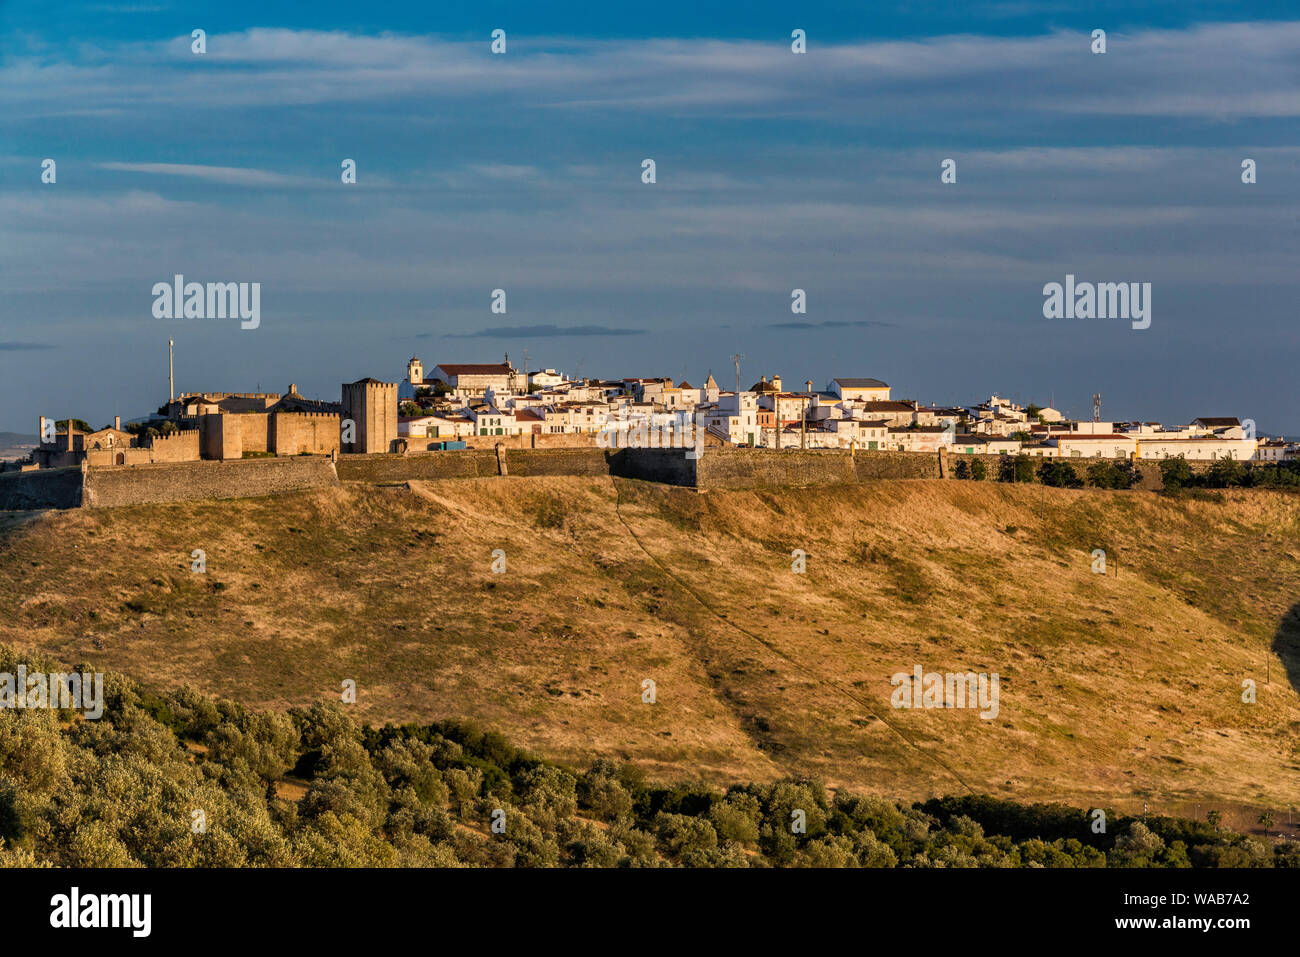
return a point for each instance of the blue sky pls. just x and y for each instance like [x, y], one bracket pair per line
[775, 171]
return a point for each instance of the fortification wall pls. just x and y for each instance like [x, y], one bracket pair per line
[40, 488]
[189, 481]
[464, 463]
[180, 447]
[561, 461]
[721, 469]
[254, 432]
[293, 433]
[222, 435]
[896, 465]
[470, 463]
[130, 455]
[669, 466]
[535, 440]
[750, 468]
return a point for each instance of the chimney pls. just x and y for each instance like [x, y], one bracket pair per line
[117, 422]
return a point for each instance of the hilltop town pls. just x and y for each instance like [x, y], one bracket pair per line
[454, 406]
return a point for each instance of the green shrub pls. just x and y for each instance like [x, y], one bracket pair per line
[1015, 468]
[1175, 473]
[1059, 474]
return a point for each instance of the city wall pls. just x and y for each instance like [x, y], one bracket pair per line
[534, 440]
[295, 433]
[98, 487]
[190, 481]
[750, 468]
[40, 488]
[472, 463]
[182, 446]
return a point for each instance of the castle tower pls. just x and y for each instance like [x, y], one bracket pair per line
[414, 371]
[371, 406]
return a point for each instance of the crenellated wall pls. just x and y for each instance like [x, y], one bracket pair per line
[180, 446]
[296, 433]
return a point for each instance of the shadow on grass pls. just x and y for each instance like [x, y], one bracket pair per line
[1286, 645]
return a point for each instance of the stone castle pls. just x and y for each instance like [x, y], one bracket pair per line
[220, 426]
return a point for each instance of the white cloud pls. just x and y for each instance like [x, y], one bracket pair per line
[1218, 71]
[217, 174]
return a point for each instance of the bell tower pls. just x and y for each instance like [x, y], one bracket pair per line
[414, 371]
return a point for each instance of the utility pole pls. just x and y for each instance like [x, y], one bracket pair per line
[803, 421]
[171, 377]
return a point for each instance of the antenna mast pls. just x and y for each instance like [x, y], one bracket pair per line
[737, 358]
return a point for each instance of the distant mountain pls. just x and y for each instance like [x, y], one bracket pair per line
[15, 445]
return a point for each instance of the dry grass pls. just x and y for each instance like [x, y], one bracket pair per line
[1116, 690]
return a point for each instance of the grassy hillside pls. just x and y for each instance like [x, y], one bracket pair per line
[1115, 690]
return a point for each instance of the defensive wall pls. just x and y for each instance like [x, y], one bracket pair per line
[190, 481]
[727, 468]
[40, 488]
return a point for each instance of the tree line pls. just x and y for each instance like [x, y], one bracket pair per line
[180, 779]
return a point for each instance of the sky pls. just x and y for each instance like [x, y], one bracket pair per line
[775, 171]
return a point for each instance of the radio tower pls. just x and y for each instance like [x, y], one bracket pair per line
[737, 360]
[1096, 407]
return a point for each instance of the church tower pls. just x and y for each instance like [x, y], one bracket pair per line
[414, 371]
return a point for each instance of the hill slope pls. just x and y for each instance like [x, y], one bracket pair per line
[1118, 688]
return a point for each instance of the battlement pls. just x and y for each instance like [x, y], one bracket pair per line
[228, 395]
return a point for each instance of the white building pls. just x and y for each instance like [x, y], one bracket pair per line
[1276, 450]
[734, 417]
[924, 438]
[865, 390]
[1202, 447]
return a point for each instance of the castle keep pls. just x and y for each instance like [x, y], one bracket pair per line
[372, 406]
